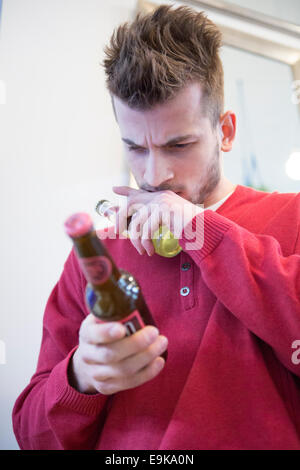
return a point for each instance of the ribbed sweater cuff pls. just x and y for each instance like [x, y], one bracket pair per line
[203, 234]
[67, 397]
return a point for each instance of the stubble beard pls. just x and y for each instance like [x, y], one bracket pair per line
[210, 179]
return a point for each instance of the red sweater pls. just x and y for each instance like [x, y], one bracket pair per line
[229, 381]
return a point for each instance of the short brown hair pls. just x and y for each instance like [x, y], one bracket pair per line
[148, 61]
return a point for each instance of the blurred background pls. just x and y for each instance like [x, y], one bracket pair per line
[60, 148]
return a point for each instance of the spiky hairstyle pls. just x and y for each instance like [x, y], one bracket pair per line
[151, 59]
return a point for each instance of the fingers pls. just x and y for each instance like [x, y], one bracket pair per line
[115, 351]
[108, 361]
[115, 385]
[122, 220]
[140, 231]
[125, 190]
[172, 211]
[93, 331]
[145, 222]
[132, 364]
[151, 225]
[142, 227]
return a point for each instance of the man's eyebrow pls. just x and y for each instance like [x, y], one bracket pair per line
[172, 141]
[130, 142]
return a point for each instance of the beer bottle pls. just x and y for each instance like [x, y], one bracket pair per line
[111, 294]
[164, 242]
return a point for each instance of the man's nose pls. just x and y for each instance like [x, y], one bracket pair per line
[157, 170]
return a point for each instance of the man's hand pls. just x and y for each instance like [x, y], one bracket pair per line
[107, 362]
[150, 210]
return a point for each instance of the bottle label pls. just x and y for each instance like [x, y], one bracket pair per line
[97, 269]
[133, 322]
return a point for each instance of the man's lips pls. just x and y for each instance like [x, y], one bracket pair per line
[179, 193]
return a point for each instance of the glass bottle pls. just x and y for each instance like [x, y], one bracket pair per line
[164, 242]
[111, 294]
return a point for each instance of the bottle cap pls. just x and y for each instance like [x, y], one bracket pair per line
[78, 224]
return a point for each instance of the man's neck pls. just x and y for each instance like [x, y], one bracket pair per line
[224, 188]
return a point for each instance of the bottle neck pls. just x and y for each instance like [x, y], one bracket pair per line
[90, 246]
[109, 210]
[106, 209]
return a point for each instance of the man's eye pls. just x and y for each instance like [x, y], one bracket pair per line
[135, 149]
[180, 146]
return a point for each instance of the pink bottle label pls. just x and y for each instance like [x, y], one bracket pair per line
[133, 322]
[97, 269]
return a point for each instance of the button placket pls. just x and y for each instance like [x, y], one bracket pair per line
[187, 294]
[184, 291]
[185, 266]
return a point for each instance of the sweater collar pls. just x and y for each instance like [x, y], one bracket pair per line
[218, 204]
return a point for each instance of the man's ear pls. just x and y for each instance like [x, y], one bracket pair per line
[228, 130]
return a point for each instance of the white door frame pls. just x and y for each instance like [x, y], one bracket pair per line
[250, 31]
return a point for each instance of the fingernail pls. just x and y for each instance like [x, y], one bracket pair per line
[163, 342]
[152, 334]
[160, 363]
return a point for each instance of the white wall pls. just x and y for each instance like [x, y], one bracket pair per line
[287, 10]
[60, 152]
[259, 91]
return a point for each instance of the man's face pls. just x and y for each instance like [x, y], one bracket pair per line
[172, 146]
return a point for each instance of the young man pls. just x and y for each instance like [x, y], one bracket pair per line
[227, 309]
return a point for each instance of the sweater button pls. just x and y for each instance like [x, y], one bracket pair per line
[185, 266]
[184, 291]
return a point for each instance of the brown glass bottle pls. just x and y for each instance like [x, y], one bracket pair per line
[112, 294]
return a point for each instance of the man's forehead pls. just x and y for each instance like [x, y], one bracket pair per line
[165, 122]
[189, 101]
